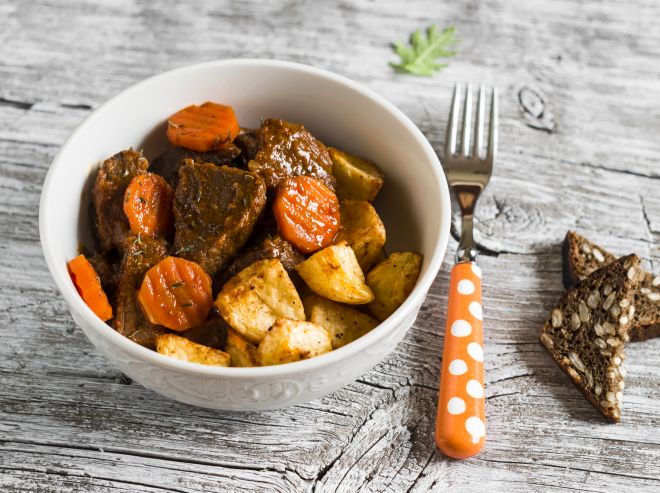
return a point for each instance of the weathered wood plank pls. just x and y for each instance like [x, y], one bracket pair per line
[589, 161]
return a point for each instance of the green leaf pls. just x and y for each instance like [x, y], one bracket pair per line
[420, 57]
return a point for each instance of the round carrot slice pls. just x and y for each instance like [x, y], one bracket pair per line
[176, 293]
[148, 204]
[307, 213]
[203, 128]
[88, 285]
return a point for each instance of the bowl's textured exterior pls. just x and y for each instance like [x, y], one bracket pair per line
[414, 205]
[255, 393]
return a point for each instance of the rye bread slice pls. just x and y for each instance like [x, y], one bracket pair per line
[582, 257]
[588, 329]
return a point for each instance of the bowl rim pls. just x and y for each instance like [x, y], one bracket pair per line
[416, 297]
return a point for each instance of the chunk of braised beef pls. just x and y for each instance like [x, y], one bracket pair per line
[141, 253]
[213, 333]
[111, 181]
[266, 224]
[270, 246]
[215, 210]
[288, 149]
[167, 164]
[248, 142]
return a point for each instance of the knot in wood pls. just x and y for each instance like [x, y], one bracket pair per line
[534, 111]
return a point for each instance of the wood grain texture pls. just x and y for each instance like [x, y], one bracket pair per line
[579, 149]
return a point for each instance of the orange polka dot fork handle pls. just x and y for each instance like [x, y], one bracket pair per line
[460, 429]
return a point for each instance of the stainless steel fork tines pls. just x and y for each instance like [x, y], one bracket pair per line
[468, 168]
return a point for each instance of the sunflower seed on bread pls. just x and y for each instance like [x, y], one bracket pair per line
[582, 257]
[591, 349]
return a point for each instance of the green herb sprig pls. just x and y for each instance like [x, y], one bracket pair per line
[421, 55]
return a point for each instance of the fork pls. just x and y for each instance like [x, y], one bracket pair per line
[460, 429]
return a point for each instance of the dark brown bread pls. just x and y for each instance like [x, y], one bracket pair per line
[588, 329]
[647, 303]
[582, 257]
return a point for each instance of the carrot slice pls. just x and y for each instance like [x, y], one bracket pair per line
[176, 293]
[148, 204]
[203, 128]
[307, 213]
[89, 288]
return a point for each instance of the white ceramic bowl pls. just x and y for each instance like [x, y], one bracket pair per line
[414, 205]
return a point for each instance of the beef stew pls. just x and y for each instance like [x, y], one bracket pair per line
[255, 211]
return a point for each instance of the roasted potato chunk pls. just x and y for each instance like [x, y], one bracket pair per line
[392, 281]
[254, 298]
[363, 230]
[292, 340]
[357, 178]
[334, 273]
[343, 323]
[381, 256]
[242, 353]
[185, 350]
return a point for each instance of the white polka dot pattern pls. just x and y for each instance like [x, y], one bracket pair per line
[465, 286]
[474, 389]
[456, 405]
[475, 310]
[476, 428]
[476, 351]
[461, 328]
[477, 270]
[457, 367]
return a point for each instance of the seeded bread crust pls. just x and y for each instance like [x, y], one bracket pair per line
[587, 331]
[582, 257]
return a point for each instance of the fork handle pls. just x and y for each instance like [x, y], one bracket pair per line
[460, 430]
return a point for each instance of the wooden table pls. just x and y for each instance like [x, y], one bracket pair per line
[580, 148]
